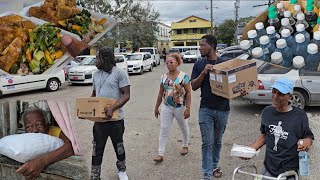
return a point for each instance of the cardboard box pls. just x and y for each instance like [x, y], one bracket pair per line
[229, 78]
[92, 108]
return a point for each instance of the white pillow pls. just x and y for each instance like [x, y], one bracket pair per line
[27, 146]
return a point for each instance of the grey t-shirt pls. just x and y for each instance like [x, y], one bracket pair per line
[108, 85]
[283, 130]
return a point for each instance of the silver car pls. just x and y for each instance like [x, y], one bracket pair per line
[306, 85]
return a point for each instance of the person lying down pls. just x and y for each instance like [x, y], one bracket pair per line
[35, 121]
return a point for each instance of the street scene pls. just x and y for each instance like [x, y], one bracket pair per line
[223, 90]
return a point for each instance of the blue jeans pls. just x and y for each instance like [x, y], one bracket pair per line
[212, 126]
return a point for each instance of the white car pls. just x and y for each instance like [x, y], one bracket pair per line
[191, 56]
[154, 54]
[82, 74]
[139, 62]
[10, 84]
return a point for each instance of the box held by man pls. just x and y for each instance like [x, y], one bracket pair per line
[229, 79]
[93, 108]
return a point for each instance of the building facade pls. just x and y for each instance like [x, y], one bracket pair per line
[163, 37]
[189, 31]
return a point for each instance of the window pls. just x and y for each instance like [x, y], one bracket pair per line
[179, 31]
[160, 31]
[194, 30]
[203, 31]
[185, 31]
[192, 20]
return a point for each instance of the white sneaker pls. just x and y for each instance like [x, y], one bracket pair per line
[123, 175]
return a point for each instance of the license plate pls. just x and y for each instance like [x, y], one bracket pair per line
[75, 78]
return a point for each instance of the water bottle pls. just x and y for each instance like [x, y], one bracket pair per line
[246, 47]
[312, 61]
[291, 42]
[252, 35]
[266, 46]
[285, 24]
[301, 30]
[291, 6]
[257, 53]
[260, 29]
[301, 46]
[276, 58]
[273, 35]
[274, 21]
[297, 10]
[303, 162]
[316, 38]
[298, 62]
[286, 52]
[280, 10]
[301, 20]
[311, 16]
[287, 14]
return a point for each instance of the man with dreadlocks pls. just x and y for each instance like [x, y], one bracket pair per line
[109, 81]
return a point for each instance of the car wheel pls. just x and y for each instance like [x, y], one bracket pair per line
[1, 95]
[159, 62]
[297, 100]
[141, 70]
[53, 85]
[154, 64]
[150, 69]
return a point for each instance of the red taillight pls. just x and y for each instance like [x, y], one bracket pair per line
[261, 86]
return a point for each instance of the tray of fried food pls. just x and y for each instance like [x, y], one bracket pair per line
[88, 25]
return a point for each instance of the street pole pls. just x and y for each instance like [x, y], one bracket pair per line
[236, 5]
[211, 30]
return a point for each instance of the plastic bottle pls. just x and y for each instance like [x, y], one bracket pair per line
[287, 14]
[301, 30]
[276, 58]
[258, 54]
[285, 24]
[317, 26]
[260, 29]
[303, 163]
[246, 47]
[297, 10]
[280, 10]
[315, 8]
[298, 62]
[301, 20]
[311, 16]
[286, 52]
[273, 35]
[266, 46]
[316, 38]
[291, 6]
[274, 21]
[272, 9]
[252, 35]
[312, 61]
[301, 46]
[290, 40]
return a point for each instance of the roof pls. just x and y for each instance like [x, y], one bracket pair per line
[192, 16]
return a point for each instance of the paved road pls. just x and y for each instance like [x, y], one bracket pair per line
[142, 130]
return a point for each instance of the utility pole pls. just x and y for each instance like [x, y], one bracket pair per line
[236, 6]
[211, 16]
[269, 4]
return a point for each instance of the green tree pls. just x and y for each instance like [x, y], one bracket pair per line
[245, 20]
[137, 22]
[225, 32]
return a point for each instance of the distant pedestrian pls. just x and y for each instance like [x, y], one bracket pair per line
[175, 100]
[164, 54]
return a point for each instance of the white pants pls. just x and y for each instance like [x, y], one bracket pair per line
[167, 114]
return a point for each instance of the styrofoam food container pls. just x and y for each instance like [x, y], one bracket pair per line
[111, 22]
[56, 67]
[243, 151]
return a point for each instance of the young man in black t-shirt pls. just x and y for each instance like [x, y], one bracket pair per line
[282, 127]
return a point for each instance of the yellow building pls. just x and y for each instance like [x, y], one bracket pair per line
[189, 31]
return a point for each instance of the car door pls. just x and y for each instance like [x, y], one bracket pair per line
[150, 60]
[20, 83]
[157, 55]
[311, 81]
[145, 61]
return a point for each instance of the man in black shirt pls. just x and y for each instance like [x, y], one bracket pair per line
[214, 110]
[282, 127]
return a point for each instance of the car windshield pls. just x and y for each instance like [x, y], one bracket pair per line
[88, 61]
[134, 57]
[147, 50]
[174, 51]
[118, 59]
[191, 53]
[270, 68]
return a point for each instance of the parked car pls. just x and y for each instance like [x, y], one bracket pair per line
[139, 62]
[306, 85]
[230, 52]
[154, 54]
[191, 56]
[82, 74]
[10, 84]
[121, 61]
